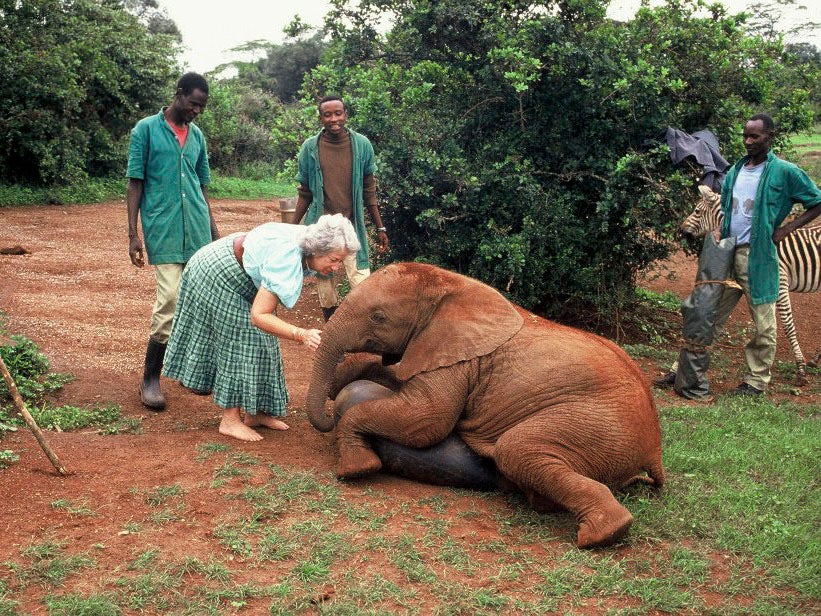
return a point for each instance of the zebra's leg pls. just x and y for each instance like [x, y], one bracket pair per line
[785, 312]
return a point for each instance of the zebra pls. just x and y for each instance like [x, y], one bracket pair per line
[799, 266]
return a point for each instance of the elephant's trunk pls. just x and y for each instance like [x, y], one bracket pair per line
[324, 368]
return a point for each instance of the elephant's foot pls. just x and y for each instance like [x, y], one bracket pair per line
[357, 462]
[603, 527]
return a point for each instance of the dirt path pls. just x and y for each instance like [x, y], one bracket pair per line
[78, 297]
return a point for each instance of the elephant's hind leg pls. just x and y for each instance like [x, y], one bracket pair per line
[525, 457]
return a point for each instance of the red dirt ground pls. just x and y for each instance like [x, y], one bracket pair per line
[78, 297]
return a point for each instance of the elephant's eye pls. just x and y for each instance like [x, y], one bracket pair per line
[378, 317]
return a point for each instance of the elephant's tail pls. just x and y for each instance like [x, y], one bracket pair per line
[655, 476]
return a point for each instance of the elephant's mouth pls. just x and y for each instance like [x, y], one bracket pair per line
[371, 345]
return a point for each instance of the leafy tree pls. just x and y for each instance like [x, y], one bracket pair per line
[284, 66]
[249, 131]
[282, 69]
[74, 77]
[521, 142]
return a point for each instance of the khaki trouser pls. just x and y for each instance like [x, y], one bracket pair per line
[326, 287]
[760, 351]
[168, 277]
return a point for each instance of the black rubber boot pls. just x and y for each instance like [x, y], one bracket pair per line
[328, 312]
[665, 381]
[150, 393]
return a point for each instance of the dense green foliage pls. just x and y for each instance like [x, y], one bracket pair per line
[249, 131]
[520, 142]
[74, 77]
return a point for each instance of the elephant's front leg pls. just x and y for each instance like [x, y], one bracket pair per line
[422, 413]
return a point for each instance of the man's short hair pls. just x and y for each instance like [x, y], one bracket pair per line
[328, 99]
[190, 82]
[766, 120]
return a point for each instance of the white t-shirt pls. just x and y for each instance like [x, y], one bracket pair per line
[746, 185]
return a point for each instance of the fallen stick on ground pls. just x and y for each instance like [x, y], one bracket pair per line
[21, 408]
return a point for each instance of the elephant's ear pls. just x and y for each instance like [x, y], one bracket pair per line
[469, 320]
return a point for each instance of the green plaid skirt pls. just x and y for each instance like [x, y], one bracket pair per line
[214, 346]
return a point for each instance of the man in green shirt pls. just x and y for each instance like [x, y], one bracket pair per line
[167, 177]
[757, 196]
[336, 176]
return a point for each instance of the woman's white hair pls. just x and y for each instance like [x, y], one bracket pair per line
[330, 233]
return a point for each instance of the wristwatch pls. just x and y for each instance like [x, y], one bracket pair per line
[384, 229]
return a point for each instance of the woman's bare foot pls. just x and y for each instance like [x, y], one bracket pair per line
[266, 421]
[232, 425]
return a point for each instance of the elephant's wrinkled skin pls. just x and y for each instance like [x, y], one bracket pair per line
[563, 413]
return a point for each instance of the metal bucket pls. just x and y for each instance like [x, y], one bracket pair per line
[287, 209]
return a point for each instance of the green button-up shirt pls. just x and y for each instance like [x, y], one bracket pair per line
[310, 174]
[781, 185]
[173, 210]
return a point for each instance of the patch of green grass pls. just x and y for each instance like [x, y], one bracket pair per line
[226, 472]
[8, 607]
[206, 450]
[49, 565]
[160, 495]
[96, 190]
[807, 147]
[92, 190]
[225, 187]
[274, 545]
[407, 558]
[235, 536]
[68, 417]
[124, 425]
[162, 516]
[665, 356]
[75, 605]
[72, 508]
[742, 476]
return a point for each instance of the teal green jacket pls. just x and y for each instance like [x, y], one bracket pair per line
[310, 174]
[173, 210]
[781, 185]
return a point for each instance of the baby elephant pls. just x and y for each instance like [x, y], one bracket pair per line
[562, 413]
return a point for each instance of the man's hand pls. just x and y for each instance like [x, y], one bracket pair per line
[717, 235]
[383, 241]
[135, 251]
[781, 233]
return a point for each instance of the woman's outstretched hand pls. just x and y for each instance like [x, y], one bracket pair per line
[310, 337]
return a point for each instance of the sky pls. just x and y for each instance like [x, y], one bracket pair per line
[209, 34]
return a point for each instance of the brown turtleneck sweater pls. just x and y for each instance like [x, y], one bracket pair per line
[336, 162]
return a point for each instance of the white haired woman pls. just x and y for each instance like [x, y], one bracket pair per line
[224, 337]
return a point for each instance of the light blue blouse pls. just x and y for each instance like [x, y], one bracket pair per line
[273, 259]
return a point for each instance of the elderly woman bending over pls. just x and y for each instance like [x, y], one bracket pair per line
[225, 332]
